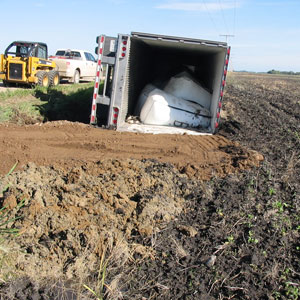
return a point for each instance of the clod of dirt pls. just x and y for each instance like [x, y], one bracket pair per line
[211, 261]
[188, 230]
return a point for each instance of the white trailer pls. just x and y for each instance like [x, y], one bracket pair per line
[187, 75]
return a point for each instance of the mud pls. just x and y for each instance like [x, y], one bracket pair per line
[127, 216]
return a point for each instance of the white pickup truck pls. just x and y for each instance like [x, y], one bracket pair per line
[75, 65]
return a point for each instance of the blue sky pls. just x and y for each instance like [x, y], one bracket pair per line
[266, 33]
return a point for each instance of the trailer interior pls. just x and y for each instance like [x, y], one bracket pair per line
[155, 59]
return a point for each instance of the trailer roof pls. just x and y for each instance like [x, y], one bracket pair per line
[176, 38]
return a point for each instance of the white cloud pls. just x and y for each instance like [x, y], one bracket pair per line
[198, 6]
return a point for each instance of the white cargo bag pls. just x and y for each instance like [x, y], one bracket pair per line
[161, 108]
[143, 97]
[183, 85]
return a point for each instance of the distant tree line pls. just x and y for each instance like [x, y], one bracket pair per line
[283, 72]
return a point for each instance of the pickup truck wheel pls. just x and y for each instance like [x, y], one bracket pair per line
[43, 79]
[76, 76]
[53, 78]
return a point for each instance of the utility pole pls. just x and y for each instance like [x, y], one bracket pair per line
[227, 36]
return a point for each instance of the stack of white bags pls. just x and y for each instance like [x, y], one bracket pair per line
[183, 103]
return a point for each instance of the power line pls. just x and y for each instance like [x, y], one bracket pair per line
[234, 17]
[210, 16]
[223, 16]
[227, 36]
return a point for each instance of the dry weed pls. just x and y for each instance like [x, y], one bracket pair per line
[290, 169]
[179, 250]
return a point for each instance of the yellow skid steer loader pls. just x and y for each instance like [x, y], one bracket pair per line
[27, 63]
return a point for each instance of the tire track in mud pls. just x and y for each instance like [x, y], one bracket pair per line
[68, 144]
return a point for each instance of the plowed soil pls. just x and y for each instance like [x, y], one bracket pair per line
[109, 215]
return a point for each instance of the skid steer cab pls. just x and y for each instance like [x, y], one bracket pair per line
[27, 63]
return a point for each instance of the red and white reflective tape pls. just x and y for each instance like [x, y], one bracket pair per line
[219, 107]
[97, 81]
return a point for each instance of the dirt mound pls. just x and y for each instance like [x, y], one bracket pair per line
[70, 217]
[67, 143]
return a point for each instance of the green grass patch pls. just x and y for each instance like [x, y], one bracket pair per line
[66, 102]
[5, 113]
[71, 102]
[16, 93]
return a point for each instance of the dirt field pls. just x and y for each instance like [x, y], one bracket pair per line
[108, 215]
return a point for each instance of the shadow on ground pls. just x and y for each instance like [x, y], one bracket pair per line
[74, 107]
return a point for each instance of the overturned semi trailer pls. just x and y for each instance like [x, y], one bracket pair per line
[159, 84]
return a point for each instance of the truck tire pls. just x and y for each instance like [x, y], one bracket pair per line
[53, 78]
[76, 77]
[43, 79]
